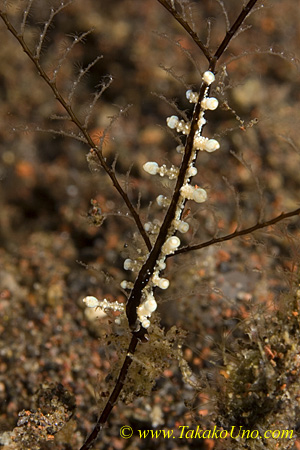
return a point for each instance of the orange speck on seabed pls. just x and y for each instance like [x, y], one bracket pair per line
[112, 241]
[197, 361]
[201, 272]
[209, 444]
[24, 169]
[269, 352]
[268, 24]
[224, 373]
[168, 373]
[203, 412]
[223, 256]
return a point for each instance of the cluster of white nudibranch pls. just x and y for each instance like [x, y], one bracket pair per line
[104, 305]
[187, 192]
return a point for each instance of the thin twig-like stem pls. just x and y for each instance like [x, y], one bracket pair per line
[238, 233]
[136, 337]
[73, 117]
[234, 29]
[186, 26]
[147, 269]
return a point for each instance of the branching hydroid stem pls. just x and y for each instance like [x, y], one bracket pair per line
[238, 233]
[74, 118]
[234, 28]
[175, 207]
[187, 28]
[147, 269]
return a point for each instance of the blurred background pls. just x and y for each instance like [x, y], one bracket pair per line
[54, 251]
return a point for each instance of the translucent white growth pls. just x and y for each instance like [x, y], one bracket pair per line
[180, 148]
[210, 103]
[181, 226]
[192, 171]
[201, 122]
[171, 244]
[162, 283]
[150, 304]
[163, 201]
[151, 167]
[192, 96]
[148, 226]
[126, 284]
[200, 142]
[161, 265]
[127, 264]
[145, 310]
[208, 77]
[211, 145]
[183, 127]
[154, 169]
[146, 323]
[132, 265]
[197, 194]
[172, 122]
[203, 143]
[91, 302]
[152, 227]
[200, 195]
[172, 173]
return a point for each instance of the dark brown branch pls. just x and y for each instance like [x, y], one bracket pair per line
[148, 268]
[73, 117]
[136, 337]
[234, 29]
[238, 233]
[187, 28]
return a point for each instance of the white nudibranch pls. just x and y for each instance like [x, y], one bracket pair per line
[146, 308]
[180, 125]
[210, 103]
[145, 323]
[149, 306]
[180, 148]
[151, 167]
[172, 122]
[163, 201]
[208, 77]
[152, 227]
[212, 145]
[126, 284]
[181, 226]
[197, 194]
[171, 244]
[162, 283]
[132, 265]
[192, 171]
[91, 302]
[192, 96]
[203, 143]
[161, 265]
